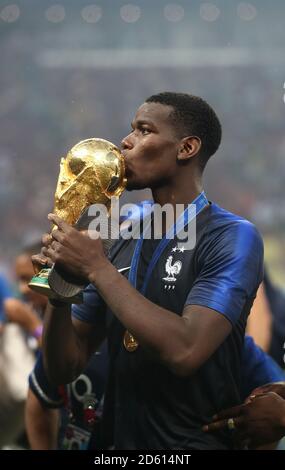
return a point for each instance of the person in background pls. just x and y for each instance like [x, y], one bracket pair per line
[16, 360]
[58, 421]
[27, 311]
[5, 293]
[266, 322]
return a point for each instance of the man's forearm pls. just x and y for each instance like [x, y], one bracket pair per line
[62, 351]
[176, 340]
[160, 330]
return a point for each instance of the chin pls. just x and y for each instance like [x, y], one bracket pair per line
[135, 185]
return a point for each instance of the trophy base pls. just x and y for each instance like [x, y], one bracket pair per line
[40, 284]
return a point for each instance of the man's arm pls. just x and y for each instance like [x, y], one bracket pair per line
[41, 424]
[184, 342]
[178, 341]
[67, 344]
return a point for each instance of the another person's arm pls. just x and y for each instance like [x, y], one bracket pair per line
[41, 424]
[256, 422]
[260, 421]
[259, 323]
[22, 314]
[42, 409]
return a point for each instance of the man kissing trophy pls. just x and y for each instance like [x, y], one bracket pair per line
[92, 173]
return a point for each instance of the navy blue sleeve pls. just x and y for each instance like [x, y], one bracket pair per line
[93, 308]
[231, 270]
[46, 393]
[5, 293]
[257, 368]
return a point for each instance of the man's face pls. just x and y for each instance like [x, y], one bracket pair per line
[151, 148]
[24, 272]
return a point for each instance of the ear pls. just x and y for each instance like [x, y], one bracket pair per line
[189, 147]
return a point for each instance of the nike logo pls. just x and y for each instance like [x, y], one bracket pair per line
[121, 270]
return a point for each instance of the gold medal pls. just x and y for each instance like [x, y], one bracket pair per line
[130, 342]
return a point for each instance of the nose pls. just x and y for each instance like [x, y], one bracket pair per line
[126, 143]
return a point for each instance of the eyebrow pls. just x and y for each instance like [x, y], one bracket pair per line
[140, 122]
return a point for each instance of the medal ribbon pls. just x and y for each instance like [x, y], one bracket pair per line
[185, 218]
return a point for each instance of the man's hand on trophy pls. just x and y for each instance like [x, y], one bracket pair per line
[41, 261]
[74, 250]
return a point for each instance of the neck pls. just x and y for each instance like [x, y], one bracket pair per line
[181, 191]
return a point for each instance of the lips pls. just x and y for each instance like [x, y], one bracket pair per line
[124, 153]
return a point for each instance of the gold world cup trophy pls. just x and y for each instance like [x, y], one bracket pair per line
[92, 173]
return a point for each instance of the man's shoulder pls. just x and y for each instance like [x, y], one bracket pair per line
[228, 234]
[223, 222]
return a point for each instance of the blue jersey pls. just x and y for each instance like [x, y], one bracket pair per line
[73, 400]
[155, 409]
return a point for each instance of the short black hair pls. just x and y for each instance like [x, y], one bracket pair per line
[193, 116]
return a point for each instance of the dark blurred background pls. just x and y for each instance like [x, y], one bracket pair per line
[73, 70]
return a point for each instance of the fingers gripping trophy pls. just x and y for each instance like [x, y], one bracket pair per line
[92, 173]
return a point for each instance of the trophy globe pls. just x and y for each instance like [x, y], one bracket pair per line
[92, 172]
